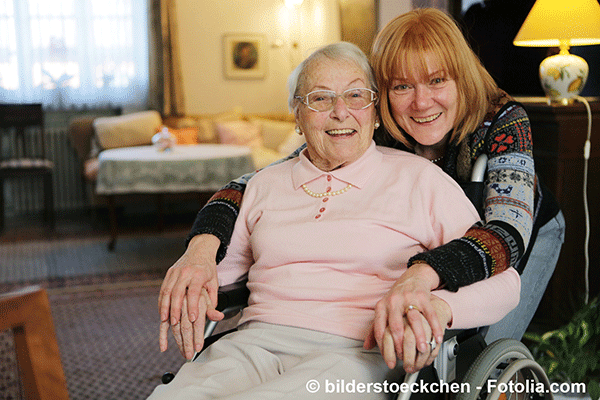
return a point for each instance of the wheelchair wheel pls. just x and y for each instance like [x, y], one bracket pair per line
[506, 370]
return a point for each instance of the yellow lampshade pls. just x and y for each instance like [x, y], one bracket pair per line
[561, 23]
[552, 22]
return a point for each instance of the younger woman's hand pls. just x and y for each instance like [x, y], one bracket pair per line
[406, 302]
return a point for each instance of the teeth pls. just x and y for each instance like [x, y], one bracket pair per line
[340, 131]
[427, 119]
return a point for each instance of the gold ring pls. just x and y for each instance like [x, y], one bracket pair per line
[411, 307]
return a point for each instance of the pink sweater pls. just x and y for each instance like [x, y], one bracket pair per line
[323, 263]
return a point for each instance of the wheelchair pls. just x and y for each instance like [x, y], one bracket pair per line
[482, 363]
[503, 370]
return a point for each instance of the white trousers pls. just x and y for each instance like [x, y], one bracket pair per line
[265, 361]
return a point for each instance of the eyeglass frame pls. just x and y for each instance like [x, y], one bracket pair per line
[304, 99]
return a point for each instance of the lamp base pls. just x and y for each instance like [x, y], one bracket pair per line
[563, 77]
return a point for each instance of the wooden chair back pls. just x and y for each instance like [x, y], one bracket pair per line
[15, 119]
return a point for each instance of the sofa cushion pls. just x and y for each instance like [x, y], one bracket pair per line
[242, 133]
[134, 129]
[185, 135]
[274, 133]
[291, 143]
[206, 125]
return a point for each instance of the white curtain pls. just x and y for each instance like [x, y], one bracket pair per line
[74, 53]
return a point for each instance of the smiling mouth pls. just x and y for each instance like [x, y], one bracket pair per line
[426, 119]
[340, 132]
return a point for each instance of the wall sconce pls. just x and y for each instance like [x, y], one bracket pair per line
[562, 23]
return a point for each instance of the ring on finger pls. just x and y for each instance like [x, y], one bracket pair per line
[433, 344]
[411, 307]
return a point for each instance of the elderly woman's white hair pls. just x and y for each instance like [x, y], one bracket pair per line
[340, 51]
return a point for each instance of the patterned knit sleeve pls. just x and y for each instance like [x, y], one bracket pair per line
[493, 245]
[218, 216]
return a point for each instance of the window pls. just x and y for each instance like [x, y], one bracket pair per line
[69, 53]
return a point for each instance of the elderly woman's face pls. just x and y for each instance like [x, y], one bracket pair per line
[341, 135]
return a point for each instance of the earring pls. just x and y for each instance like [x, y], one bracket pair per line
[298, 130]
[377, 125]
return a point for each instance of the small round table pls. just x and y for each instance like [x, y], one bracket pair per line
[183, 168]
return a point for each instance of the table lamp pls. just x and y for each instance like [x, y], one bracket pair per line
[562, 23]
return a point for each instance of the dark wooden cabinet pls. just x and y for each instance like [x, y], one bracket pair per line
[559, 133]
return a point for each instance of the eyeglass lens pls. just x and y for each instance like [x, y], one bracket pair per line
[356, 99]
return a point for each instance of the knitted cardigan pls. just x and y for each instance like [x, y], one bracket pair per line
[488, 247]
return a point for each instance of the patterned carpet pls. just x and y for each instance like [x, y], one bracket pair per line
[104, 310]
[57, 260]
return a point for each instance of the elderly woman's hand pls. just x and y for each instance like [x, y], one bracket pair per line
[407, 301]
[194, 270]
[189, 335]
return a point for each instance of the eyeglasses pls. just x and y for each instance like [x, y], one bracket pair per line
[324, 100]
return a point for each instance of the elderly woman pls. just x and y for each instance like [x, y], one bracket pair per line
[438, 102]
[321, 239]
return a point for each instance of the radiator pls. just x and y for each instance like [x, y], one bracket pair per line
[26, 195]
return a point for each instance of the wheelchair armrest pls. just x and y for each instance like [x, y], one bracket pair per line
[464, 334]
[233, 298]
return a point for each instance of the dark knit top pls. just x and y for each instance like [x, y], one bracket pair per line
[488, 247]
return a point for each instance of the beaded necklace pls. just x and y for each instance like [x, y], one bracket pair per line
[313, 194]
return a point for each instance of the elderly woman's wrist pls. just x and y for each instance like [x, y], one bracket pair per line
[443, 310]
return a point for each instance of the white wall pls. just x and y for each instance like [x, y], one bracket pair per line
[202, 24]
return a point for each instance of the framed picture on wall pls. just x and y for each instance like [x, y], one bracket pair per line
[244, 56]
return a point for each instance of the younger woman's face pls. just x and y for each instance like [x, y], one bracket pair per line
[424, 106]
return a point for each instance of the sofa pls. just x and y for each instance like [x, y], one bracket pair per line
[269, 136]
